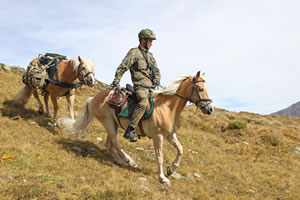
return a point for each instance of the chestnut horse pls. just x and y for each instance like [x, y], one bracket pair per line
[163, 123]
[68, 73]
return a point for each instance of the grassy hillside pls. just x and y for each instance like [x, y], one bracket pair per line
[227, 155]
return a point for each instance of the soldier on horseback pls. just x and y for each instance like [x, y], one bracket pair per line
[144, 75]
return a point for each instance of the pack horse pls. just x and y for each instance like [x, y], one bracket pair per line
[55, 76]
[169, 102]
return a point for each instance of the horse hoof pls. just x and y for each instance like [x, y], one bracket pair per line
[55, 125]
[133, 165]
[166, 183]
[169, 171]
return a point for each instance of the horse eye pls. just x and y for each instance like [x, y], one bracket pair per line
[83, 68]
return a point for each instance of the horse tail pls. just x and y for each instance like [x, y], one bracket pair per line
[23, 95]
[78, 126]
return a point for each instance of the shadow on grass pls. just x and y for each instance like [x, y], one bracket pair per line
[16, 111]
[86, 149]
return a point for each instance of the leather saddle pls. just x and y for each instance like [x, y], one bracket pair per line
[124, 102]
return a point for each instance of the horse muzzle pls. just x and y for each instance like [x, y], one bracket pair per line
[89, 79]
[206, 107]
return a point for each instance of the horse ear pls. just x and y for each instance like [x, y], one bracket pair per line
[203, 75]
[198, 74]
[79, 58]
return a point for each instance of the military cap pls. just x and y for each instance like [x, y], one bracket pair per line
[147, 34]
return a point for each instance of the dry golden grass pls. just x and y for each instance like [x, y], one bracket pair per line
[234, 162]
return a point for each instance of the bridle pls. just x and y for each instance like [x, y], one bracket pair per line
[198, 90]
[83, 77]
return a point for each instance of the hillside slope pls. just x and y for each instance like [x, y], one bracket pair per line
[227, 155]
[292, 111]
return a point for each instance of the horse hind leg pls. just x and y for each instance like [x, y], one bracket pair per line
[114, 147]
[37, 98]
[114, 153]
[46, 100]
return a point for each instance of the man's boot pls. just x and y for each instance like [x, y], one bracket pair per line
[130, 134]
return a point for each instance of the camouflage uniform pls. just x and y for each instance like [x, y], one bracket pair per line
[141, 78]
[144, 75]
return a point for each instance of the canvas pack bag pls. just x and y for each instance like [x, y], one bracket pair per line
[36, 75]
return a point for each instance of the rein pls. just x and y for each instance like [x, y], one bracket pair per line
[197, 92]
[57, 82]
[83, 77]
[66, 84]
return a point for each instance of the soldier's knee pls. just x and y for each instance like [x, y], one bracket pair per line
[143, 102]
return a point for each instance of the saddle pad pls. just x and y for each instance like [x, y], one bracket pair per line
[129, 107]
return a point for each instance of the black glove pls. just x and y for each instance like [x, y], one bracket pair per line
[115, 85]
[156, 83]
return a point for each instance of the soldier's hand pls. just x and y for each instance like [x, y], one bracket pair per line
[115, 85]
[156, 84]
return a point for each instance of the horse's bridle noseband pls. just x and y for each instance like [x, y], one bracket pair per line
[82, 77]
[198, 89]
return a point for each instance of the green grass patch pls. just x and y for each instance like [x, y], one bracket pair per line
[237, 125]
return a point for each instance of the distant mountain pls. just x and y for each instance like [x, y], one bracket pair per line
[292, 111]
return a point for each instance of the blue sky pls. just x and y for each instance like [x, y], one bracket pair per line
[248, 49]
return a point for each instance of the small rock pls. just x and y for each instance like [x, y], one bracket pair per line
[139, 148]
[296, 150]
[194, 152]
[99, 139]
[225, 188]
[32, 123]
[252, 191]
[150, 151]
[177, 176]
[276, 162]
[197, 175]
[246, 143]
[142, 179]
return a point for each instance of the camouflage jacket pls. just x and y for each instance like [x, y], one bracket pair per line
[140, 72]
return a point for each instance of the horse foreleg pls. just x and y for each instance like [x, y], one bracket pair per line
[46, 100]
[172, 139]
[36, 96]
[158, 147]
[70, 100]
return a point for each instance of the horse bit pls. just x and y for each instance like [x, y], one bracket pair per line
[198, 89]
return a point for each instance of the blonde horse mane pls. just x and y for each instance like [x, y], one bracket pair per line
[75, 63]
[170, 89]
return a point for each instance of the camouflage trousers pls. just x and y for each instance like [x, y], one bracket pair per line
[142, 95]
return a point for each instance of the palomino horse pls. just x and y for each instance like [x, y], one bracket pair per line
[163, 123]
[68, 73]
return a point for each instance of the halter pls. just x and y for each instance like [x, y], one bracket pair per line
[82, 77]
[198, 89]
